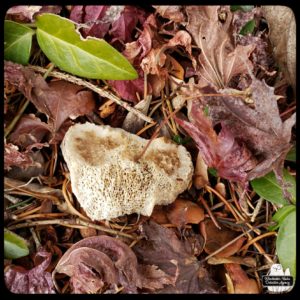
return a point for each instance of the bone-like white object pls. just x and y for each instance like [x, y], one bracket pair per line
[109, 180]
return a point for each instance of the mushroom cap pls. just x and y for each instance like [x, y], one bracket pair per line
[109, 180]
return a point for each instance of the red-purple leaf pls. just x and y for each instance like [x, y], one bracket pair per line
[122, 28]
[13, 157]
[35, 281]
[29, 130]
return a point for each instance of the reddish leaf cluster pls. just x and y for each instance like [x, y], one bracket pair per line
[35, 281]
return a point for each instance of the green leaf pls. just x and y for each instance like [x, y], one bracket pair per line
[268, 187]
[213, 172]
[181, 141]
[14, 245]
[248, 28]
[90, 58]
[244, 8]
[280, 216]
[17, 42]
[286, 243]
[291, 156]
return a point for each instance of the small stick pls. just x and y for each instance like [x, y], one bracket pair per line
[210, 189]
[245, 247]
[74, 223]
[100, 91]
[209, 212]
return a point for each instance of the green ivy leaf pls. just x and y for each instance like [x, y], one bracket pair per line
[280, 216]
[248, 28]
[291, 156]
[17, 42]
[244, 8]
[90, 58]
[14, 245]
[268, 187]
[286, 243]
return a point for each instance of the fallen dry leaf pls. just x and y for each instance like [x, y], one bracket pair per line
[282, 26]
[58, 100]
[241, 282]
[35, 281]
[182, 212]
[216, 238]
[95, 261]
[220, 60]
[223, 152]
[14, 158]
[171, 12]
[162, 248]
[28, 131]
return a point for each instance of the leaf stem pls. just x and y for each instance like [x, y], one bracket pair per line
[95, 89]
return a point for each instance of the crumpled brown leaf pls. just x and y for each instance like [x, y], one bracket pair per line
[171, 12]
[13, 157]
[95, 261]
[35, 281]
[216, 238]
[282, 25]
[58, 100]
[223, 152]
[27, 13]
[220, 60]
[28, 131]
[242, 284]
[162, 248]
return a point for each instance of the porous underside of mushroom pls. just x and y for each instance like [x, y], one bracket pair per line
[108, 178]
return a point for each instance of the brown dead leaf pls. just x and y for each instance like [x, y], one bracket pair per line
[216, 238]
[200, 178]
[58, 100]
[282, 25]
[241, 282]
[173, 12]
[220, 60]
[182, 212]
[163, 249]
[28, 131]
[14, 158]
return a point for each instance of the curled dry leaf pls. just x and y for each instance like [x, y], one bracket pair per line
[217, 238]
[27, 13]
[35, 281]
[220, 60]
[282, 26]
[102, 261]
[171, 12]
[28, 131]
[58, 100]
[132, 122]
[200, 178]
[182, 212]
[14, 158]
[162, 248]
[241, 282]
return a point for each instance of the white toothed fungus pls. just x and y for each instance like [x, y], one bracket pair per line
[109, 180]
